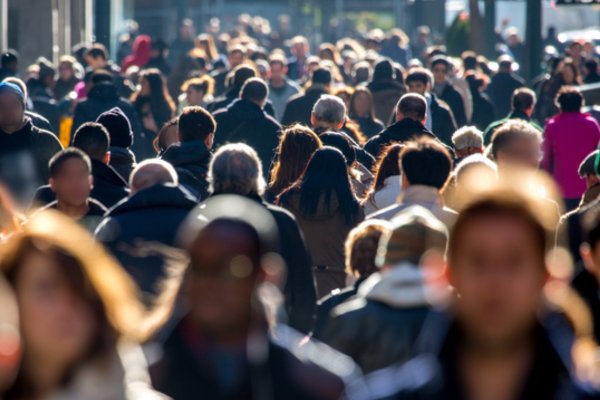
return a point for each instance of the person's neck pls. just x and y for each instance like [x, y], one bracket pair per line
[74, 211]
[10, 129]
[278, 82]
[324, 125]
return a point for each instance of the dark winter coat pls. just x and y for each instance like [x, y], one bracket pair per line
[443, 124]
[501, 90]
[245, 121]
[398, 132]
[587, 287]
[299, 107]
[452, 97]
[141, 232]
[190, 160]
[369, 126]
[385, 98]
[41, 122]
[483, 111]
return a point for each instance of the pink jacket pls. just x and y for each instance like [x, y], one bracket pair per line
[568, 139]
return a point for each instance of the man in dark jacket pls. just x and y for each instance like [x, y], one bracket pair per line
[499, 339]
[24, 149]
[300, 106]
[410, 117]
[118, 127]
[503, 85]
[190, 157]
[40, 93]
[385, 89]
[97, 58]
[141, 231]
[245, 121]
[439, 120]
[108, 187]
[396, 293]
[523, 103]
[104, 96]
[299, 290]
[221, 349]
[443, 89]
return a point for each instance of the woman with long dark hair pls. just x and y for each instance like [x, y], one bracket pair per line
[387, 185]
[362, 111]
[153, 104]
[296, 147]
[326, 210]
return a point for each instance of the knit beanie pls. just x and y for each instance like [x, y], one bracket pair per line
[118, 126]
[15, 89]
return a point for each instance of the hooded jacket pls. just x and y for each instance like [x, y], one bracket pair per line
[399, 132]
[141, 53]
[245, 121]
[190, 160]
[142, 230]
[379, 327]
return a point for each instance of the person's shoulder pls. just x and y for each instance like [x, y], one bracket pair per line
[386, 213]
[273, 123]
[351, 309]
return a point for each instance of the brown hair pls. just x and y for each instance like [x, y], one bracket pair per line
[296, 147]
[361, 248]
[205, 83]
[388, 165]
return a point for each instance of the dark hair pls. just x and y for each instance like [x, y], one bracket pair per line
[440, 59]
[412, 106]
[255, 89]
[388, 165]
[296, 147]
[278, 59]
[93, 139]
[426, 162]
[569, 99]
[241, 74]
[326, 175]
[469, 60]
[384, 70]
[522, 99]
[97, 50]
[339, 141]
[195, 123]
[63, 156]
[357, 92]
[159, 140]
[101, 76]
[161, 102]
[592, 65]
[8, 57]
[418, 75]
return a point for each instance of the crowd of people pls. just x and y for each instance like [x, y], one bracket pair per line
[243, 217]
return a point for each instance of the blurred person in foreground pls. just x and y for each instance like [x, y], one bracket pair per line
[81, 321]
[467, 141]
[506, 335]
[364, 327]
[236, 169]
[221, 349]
[140, 231]
[516, 144]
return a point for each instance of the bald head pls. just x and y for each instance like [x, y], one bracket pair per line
[150, 173]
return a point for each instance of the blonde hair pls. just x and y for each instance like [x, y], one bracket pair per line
[361, 247]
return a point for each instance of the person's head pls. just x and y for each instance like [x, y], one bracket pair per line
[321, 76]
[388, 165]
[413, 106]
[264, 69]
[523, 100]
[440, 66]
[236, 56]
[195, 123]
[383, 70]
[12, 107]
[587, 170]
[236, 169]
[570, 73]
[241, 74]
[467, 140]
[361, 72]
[361, 103]
[345, 93]
[10, 60]
[414, 234]
[166, 136]
[93, 139]
[469, 59]
[154, 85]
[425, 162]
[590, 67]
[279, 67]
[255, 90]
[329, 111]
[517, 143]
[496, 263]
[118, 127]
[196, 88]
[47, 72]
[74, 300]
[232, 238]
[150, 173]
[66, 68]
[418, 81]
[325, 176]
[99, 77]
[569, 99]
[71, 177]
[423, 34]
[575, 48]
[186, 30]
[505, 64]
[361, 248]
[96, 56]
[342, 143]
[299, 46]
[296, 147]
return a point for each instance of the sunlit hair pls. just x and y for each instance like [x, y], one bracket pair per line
[361, 247]
[206, 83]
[297, 145]
[388, 165]
[236, 169]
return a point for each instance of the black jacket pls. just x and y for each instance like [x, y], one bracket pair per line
[369, 126]
[122, 160]
[41, 122]
[398, 132]
[552, 375]
[232, 95]
[443, 124]
[244, 121]
[45, 105]
[141, 230]
[109, 188]
[299, 107]
[452, 97]
[483, 111]
[328, 303]
[501, 90]
[102, 98]
[586, 285]
[92, 219]
[190, 160]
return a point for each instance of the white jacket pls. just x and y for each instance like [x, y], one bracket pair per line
[385, 197]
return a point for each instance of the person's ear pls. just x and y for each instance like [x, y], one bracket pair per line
[52, 185]
[209, 140]
[340, 125]
[588, 258]
[399, 116]
[107, 158]
[424, 119]
[312, 118]
[91, 182]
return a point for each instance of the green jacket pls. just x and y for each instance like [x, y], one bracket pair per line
[489, 131]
